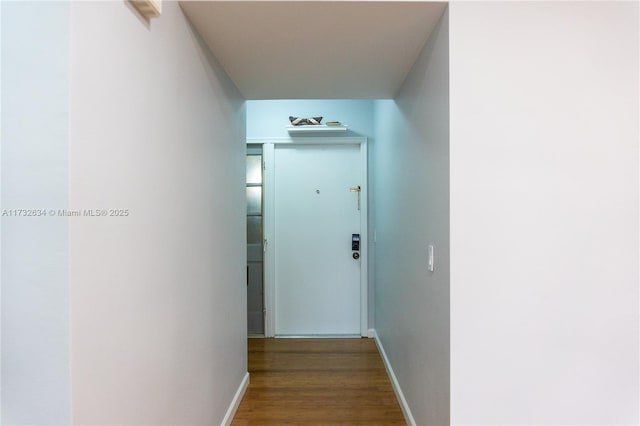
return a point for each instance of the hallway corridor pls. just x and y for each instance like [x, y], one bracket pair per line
[317, 381]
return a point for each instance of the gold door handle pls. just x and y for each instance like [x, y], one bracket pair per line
[356, 189]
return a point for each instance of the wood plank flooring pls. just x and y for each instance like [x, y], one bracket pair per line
[317, 382]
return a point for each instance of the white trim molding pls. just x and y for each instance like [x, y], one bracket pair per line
[235, 402]
[364, 238]
[268, 223]
[404, 405]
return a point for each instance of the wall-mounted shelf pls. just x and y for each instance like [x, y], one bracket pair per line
[321, 128]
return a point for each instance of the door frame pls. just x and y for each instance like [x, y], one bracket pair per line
[268, 156]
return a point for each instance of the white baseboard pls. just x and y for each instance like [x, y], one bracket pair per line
[371, 333]
[235, 402]
[394, 382]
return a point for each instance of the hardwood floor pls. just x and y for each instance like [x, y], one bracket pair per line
[317, 382]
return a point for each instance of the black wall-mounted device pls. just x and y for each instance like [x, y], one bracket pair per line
[355, 242]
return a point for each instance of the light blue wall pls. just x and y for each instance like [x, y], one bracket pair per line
[35, 292]
[411, 193]
[270, 118]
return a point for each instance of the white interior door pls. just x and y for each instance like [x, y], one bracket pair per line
[317, 280]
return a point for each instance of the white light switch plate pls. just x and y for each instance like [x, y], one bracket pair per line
[430, 264]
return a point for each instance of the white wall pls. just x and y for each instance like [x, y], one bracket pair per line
[35, 112]
[544, 213]
[411, 181]
[158, 297]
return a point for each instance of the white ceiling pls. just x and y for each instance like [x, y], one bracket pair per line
[315, 49]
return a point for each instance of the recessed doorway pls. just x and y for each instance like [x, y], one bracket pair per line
[311, 206]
